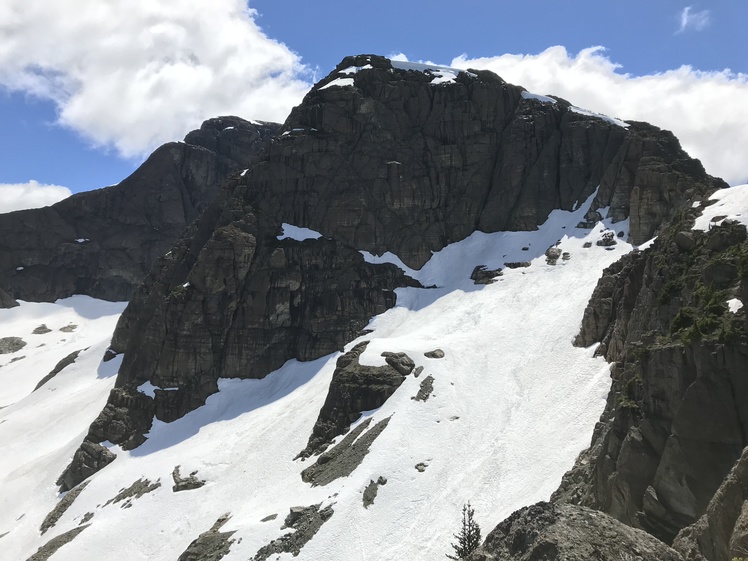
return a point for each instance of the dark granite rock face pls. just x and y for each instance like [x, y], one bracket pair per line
[545, 531]
[721, 534]
[397, 164]
[103, 243]
[677, 415]
[231, 300]
[6, 300]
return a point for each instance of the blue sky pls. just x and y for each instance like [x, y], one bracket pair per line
[84, 99]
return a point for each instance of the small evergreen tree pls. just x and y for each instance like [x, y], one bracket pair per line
[468, 538]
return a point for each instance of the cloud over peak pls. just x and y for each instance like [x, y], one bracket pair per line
[20, 196]
[701, 108]
[134, 74]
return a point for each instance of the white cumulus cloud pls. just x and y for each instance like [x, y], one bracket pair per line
[135, 73]
[705, 110]
[693, 20]
[20, 196]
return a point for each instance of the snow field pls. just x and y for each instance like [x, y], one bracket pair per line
[513, 404]
[40, 431]
[95, 321]
[730, 203]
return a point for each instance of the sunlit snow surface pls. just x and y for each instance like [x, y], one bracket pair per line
[85, 321]
[338, 82]
[513, 404]
[730, 203]
[542, 98]
[589, 113]
[441, 74]
[298, 233]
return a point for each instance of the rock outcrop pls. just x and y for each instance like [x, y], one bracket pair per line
[59, 367]
[103, 243]
[188, 483]
[10, 345]
[306, 522]
[677, 415]
[65, 503]
[395, 163]
[211, 545]
[50, 548]
[87, 460]
[571, 533]
[346, 456]
[355, 388]
[721, 534]
[6, 300]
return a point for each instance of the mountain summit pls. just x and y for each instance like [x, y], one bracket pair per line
[372, 324]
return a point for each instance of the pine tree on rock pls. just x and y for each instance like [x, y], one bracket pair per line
[468, 538]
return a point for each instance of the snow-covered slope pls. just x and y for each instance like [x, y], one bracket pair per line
[513, 402]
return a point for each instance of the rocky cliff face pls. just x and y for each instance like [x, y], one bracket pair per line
[102, 243]
[396, 163]
[721, 534]
[677, 414]
[376, 158]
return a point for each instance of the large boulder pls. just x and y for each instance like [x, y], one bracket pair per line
[568, 533]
